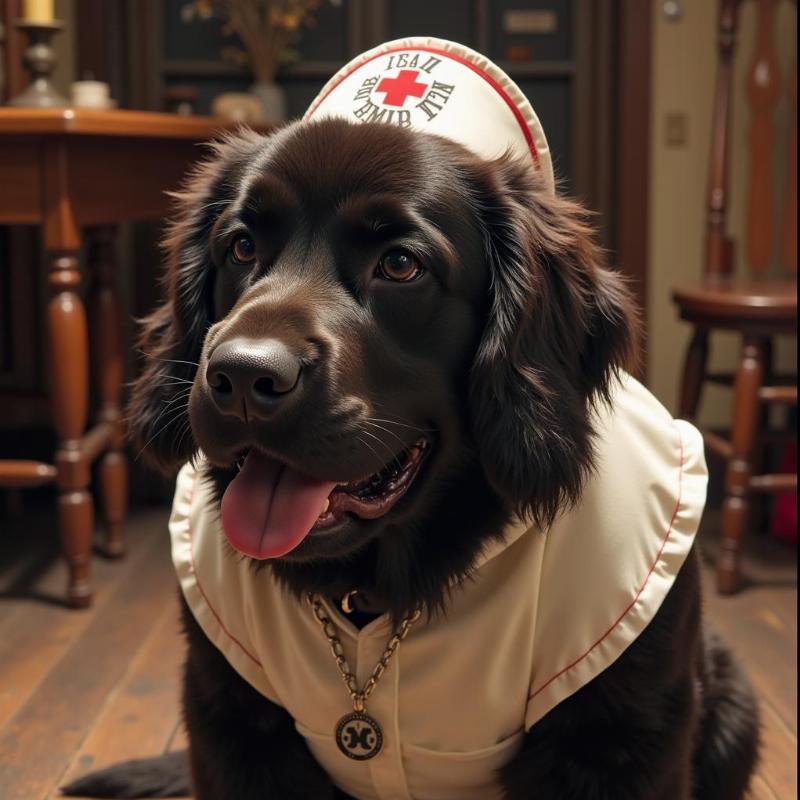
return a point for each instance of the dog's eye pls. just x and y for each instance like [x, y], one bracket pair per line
[243, 249]
[398, 265]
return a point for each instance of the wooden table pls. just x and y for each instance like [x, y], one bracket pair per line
[79, 173]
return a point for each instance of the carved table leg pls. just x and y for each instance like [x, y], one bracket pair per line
[694, 371]
[68, 356]
[107, 369]
[746, 417]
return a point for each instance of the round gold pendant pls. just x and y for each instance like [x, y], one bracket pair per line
[359, 736]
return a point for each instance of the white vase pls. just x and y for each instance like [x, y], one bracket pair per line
[273, 100]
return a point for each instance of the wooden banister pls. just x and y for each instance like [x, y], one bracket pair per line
[20, 474]
[719, 248]
[762, 94]
[789, 228]
[773, 483]
[779, 395]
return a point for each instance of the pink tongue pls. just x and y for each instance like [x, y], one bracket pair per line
[269, 508]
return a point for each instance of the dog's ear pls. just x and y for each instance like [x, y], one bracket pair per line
[172, 336]
[560, 327]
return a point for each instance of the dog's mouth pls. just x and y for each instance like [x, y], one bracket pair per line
[269, 507]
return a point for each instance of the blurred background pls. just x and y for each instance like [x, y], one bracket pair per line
[674, 120]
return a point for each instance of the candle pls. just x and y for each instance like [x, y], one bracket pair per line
[37, 10]
[90, 94]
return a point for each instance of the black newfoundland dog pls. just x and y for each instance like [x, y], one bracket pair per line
[444, 325]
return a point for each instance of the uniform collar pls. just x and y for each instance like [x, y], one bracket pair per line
[514, 530]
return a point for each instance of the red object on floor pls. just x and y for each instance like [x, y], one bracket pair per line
[784, 516]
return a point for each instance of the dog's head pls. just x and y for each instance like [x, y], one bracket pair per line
[383, 345]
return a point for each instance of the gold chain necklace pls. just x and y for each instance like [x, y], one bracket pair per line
[358, 735]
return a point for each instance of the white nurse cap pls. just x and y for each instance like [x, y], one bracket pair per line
[439, 87]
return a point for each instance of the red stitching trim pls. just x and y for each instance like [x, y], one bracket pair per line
[561, 672]
[200, 585]
[485, 75]
[641, 588]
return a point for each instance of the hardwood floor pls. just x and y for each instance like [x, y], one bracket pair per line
[760, 622]
[81, 690]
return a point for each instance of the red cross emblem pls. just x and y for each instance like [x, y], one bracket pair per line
[403, 86]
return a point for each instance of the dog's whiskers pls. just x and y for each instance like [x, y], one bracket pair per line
[386, 430]
[369, 446]
[172, 417]
[398, 420]
[185, 428]
[176, 361]
[181, 396]
[175, 382]
[383, 444]
[400, 424]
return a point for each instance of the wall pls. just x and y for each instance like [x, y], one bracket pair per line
[684, 71]
[64, 73]
[684, 67]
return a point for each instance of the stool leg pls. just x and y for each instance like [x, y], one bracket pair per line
[761, 506]
[68, 356]
[107, 369]
[694, 371]
[746, 417]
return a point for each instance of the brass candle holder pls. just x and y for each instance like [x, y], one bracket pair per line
[40, 58]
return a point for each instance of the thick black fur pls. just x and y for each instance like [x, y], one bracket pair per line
[517, 330]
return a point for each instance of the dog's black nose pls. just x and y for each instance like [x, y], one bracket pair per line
[251, 378]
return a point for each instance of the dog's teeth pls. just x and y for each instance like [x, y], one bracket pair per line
[325, 506]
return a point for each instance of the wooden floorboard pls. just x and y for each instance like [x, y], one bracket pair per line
[33, 638]
[132, 724]
[761, 624]
[765, 651]
[759, 790]
[179, 740]
[778, 765]
[42, 737]
[81, 690]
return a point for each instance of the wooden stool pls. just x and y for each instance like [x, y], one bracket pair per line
[757, 308]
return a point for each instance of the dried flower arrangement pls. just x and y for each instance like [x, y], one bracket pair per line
[265, 28]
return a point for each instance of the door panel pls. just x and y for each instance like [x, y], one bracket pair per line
[560, 52]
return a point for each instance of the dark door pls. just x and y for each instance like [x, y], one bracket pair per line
[558, 51]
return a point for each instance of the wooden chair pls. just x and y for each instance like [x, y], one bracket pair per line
[757, 307]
